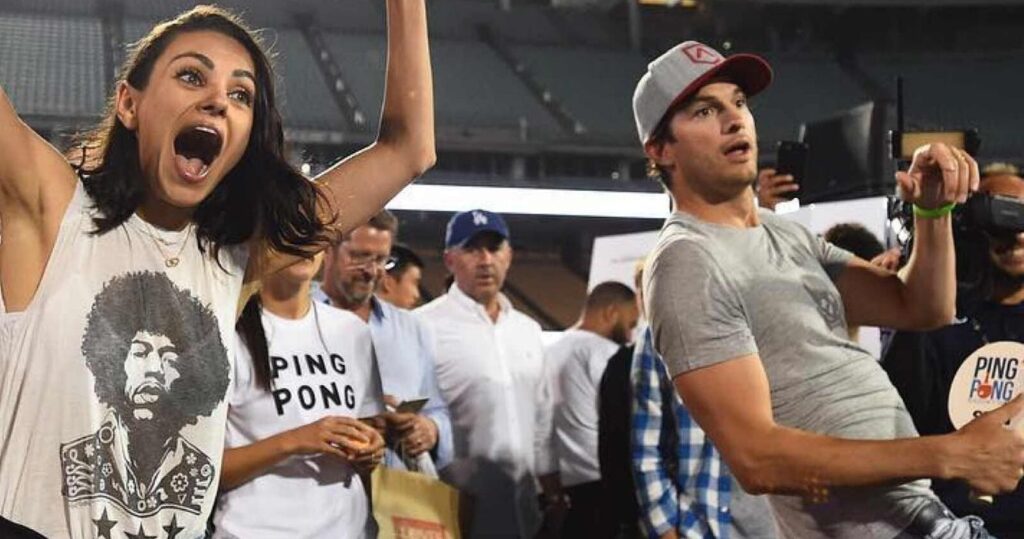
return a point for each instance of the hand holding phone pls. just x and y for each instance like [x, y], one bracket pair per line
[774, 188]
[791, 161]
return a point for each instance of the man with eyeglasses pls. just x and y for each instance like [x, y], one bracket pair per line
[403, 346]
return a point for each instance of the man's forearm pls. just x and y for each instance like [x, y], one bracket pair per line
[790, 461]
[930, 274]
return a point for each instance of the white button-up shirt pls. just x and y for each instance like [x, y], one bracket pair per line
[492, 376]
[576, 363]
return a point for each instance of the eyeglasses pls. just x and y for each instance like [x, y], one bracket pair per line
[368, 259]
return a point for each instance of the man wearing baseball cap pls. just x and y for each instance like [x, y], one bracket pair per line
[749, 311]
[490, 370]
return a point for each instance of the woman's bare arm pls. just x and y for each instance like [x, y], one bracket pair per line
[36, 184]
[359, 186]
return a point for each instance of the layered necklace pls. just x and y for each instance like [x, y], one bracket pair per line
[170, 260]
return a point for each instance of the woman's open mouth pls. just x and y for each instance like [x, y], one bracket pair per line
[195, 149]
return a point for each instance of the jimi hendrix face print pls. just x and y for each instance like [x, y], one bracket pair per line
[159, 365]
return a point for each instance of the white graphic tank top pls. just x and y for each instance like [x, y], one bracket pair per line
[113, 383]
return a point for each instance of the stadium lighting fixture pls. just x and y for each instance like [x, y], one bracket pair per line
[671, 3]
[564, 202]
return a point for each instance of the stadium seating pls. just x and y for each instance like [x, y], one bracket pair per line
[596, 86]
[956, 91]
[53, 66]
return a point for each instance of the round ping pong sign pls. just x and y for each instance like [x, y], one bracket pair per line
[989, 378]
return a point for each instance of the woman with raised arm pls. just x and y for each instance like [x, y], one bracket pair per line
[121, 270]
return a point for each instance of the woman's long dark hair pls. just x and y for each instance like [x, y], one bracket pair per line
[250, 327]
[262, 195]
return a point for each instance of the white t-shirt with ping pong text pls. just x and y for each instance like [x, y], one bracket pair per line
[316, 372]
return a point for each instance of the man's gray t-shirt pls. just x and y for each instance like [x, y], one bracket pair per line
[751, 516]
[716, 293]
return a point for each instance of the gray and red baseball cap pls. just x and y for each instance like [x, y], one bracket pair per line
[682, 71]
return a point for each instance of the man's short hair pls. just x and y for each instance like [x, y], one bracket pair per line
[662, 134]
[856, 239]
[607, 294]
[402, 258]
[386, 221]
[383, 220]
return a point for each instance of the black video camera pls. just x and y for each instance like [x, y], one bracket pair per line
[997, 216]
[983, 219]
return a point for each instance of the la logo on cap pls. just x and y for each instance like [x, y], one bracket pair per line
[699, 53]
[479, 218]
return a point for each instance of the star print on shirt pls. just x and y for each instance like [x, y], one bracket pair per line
[140, 535]
[104, 525]
[172, 529]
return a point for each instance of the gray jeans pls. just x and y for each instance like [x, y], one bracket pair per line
[949, 526]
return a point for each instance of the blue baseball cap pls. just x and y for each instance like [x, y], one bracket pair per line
[464, 225]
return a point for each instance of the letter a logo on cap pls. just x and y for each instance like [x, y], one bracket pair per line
[699, 53]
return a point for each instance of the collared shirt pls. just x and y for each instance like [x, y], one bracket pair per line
[578, 361]
[491, 374]
[105, 469]
[694, 500]
[405, 357]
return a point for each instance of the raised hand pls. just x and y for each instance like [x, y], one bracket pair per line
[939, 175]
[772, 187]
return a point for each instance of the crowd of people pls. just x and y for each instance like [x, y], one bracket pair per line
[172, 366]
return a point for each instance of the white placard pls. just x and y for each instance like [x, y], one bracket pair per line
[615, 257]
[986, 380]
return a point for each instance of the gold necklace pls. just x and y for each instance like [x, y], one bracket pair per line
[169, 261]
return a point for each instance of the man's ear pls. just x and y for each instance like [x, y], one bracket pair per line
[328, 259]
[127, 103]
[386, 284]
[657, 151]
[449, 260]
[610, 314]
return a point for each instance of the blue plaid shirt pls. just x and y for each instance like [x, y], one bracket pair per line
[693, 500]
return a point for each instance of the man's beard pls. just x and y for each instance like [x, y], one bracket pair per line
[358, 295]
[620, 335]
[720, 187]
[747, 179]
[1006, 280]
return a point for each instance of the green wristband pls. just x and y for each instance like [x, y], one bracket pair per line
[934, 213]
